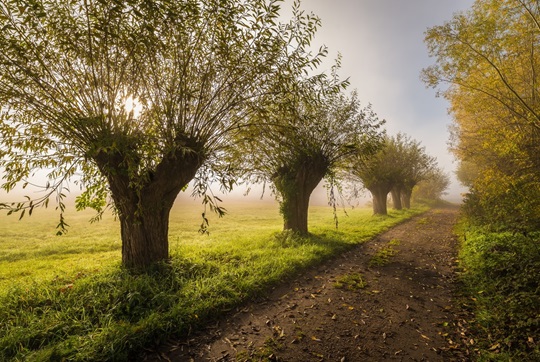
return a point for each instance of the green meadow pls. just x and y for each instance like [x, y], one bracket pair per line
[66, 297]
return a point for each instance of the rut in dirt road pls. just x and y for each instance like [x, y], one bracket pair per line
[388, 299]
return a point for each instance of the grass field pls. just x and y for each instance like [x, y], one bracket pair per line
[67, 298]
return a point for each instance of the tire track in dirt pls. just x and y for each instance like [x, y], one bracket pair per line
[389, 299]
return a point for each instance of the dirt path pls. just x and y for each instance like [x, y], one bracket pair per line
[389, 299]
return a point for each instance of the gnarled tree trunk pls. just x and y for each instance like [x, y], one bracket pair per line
[144, 234]
[380, 195]
[406, 197]
[144, 202]
[396, 197]
[295, 186]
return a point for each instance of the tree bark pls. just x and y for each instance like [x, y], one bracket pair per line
[144, 235]
[294, 208]
[295, 187]
[380, 194]
[396, 197]
[406, 198]
[144, 202]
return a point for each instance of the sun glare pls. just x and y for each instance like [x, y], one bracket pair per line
[132, 104]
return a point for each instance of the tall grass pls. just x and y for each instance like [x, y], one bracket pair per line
[68, 298]
[501, 279]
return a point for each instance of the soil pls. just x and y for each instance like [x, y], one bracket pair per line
[390, 299]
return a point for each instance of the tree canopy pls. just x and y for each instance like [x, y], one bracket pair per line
[310, 133]
[70, 70]
[398, 165]
[489, 58]
[413, 165]
[433, 187]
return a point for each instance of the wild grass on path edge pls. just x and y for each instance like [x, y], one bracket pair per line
[500, 286]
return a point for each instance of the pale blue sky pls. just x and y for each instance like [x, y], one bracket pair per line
[382, 43]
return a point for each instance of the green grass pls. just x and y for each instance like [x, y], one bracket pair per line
[352, 281]
[67, 297]
[501, 284]
[384, 254]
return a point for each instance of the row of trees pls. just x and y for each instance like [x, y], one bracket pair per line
[490, 58]
[399, 165]
[222, 91]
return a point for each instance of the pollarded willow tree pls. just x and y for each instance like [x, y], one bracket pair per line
[397, 167]
[433, 187]
[310, 132]
[413, 165]
[377, 174]
[490, 58]
[70, 70]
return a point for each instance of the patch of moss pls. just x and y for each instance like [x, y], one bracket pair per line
[353, 281]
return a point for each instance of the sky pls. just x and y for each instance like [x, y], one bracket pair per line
[382, 44]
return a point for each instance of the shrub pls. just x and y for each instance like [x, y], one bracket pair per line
[501, 275]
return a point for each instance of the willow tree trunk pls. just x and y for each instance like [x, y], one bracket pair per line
[295, 185]
[396, 198]
[406, 198]
[294, 208]
[144, 203]
[144, 235]
[380, 195]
